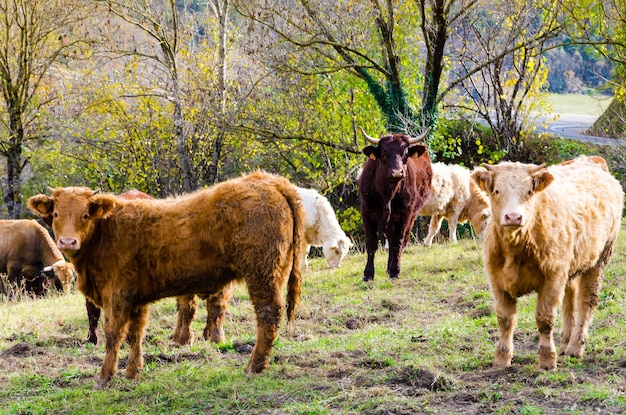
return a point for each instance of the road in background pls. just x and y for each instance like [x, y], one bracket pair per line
[572, 127]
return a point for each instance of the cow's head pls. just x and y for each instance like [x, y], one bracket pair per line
[511, 188]
[336, 251]
[63, 272]
[72, 212]
[393, 151]
[479, 209]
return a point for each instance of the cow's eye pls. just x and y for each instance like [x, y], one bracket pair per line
[55, 214]
[496, 192]
[85, 216]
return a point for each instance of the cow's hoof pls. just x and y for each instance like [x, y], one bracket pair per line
[502, 361]
[574, 351]
[183, 339]
[547, 365]
[368, 279]
[394, 277]
[132, 374]
[100, 384]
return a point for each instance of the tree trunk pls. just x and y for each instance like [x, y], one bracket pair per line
[13, 154]
[221, 10]
[435, 37]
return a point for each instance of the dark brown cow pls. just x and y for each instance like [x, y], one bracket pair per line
[26, 252]
[130, 253]
[393, 187]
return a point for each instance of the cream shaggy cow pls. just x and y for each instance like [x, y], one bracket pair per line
[454, 197]
[553, 232]
[321, 228]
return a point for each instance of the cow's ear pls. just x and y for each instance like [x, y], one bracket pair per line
[541, 180]
[42, 206]
[483, 179]
[101, 206]
[372, 152]
[417, 150]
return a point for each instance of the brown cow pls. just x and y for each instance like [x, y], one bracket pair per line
[453, 196]
[26, 249]
[553, 231]
[93, 312]
[187, 305]
[130, 253]
[393, 186]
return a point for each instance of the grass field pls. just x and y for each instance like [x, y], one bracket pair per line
[422, 344]
[579, 104]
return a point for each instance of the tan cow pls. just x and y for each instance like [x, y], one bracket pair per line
[553, 232]
[26, 249]
[129, 253]
[454, 197]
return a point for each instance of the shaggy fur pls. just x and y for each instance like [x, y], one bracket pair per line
[454, 197]
[553, 231]
[393, 187]
[26, 249]
[93, 312]
[131, 253]
[321, 228]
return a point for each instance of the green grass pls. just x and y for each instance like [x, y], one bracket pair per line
[422, 344]
[580, 104]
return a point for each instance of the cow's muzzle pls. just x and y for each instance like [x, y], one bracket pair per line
[68, 243]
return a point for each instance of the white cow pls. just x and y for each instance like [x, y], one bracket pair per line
[322, 229]
[453, 196]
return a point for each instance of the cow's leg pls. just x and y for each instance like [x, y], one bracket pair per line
[371, 245]
[216, 306]
[93, 315]
[304, 261]
[433, 229]
[586, 303]
[116, 319]
[506, 311]
[549, 298]
[268, 304]
[569, 313]
[14, 278]
[187, 306]
[453, 222]
[138, 320]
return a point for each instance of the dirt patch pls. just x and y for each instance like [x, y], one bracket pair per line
[22, 350]
[421, 378]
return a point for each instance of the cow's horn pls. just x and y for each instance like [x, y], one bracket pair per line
[369, 139]
[50, 189]
[487, 167]
[415, 140]
[47, 269]
[537, 168]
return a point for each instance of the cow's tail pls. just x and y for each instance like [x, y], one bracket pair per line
[294, 285]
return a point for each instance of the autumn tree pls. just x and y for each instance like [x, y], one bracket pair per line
[35, 35]
[601, 25]
[160, 23]
[358, 37]
[501, 75]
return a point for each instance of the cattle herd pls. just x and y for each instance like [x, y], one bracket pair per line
[550, 230]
